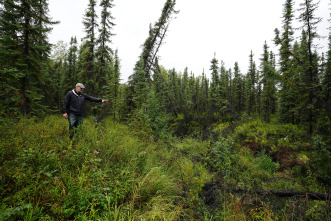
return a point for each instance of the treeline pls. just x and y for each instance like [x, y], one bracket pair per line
[294, 88]
[33, 83]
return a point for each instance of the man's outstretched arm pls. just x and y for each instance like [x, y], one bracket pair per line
[94, 99]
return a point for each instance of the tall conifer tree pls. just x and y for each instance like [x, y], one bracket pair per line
[156, 36]
[224, 89]
[104, 52]
[251, 85]
[237, 90]
[142, 86]
[71, 77]
[90, 25]
[268, 96]
[151, 47]
[115, 80]
[204, 91]
[9, 52]
[186, 92]
[287, 93]
[214, 87]
[310, 78]
[25, 49]
[327, 82]
[160, 85]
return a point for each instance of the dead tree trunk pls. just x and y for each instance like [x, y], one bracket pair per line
[284, 193]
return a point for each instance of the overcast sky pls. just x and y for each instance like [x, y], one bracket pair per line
[229, 29]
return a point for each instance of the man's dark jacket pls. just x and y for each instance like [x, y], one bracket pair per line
[74, 102]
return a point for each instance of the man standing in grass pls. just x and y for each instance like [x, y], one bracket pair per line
[73, 107]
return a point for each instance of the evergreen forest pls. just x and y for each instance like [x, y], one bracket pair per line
[170, 144]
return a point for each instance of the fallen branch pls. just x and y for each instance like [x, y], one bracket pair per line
[285, 193]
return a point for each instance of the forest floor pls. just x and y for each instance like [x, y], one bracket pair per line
[111, 171]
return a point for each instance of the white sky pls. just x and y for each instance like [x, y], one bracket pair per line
[229, 28]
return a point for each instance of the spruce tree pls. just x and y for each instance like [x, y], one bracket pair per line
[238, 91]
[310, 78]
[258, 93]
[268, 96]
[111, 87]
[325, 118]
[274, 80]
[160, 85]
[230, 94]
[297, 85]
[142, 86]
[327, 82]
[214, 88]
[71, 77]
[192, 83]
[115, 80]
[224, 83]
[180, 92]
[288, 96]
[173, 91]
[90, 26]
[251, 85]
[156, 36]
[25, 50]
[150, 50]
[186, 92]
[196, 95]
[204, 93]
[55, 76]
[9, 52]
[104, 53]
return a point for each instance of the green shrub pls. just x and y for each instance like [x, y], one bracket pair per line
[265, 163]
[271, 137]
[154, 117]
[224, 160]
[321, 160]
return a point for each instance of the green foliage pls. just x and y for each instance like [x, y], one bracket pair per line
[44, 170]
[215, 90]
[24, 52]
[109, 171]
[271, 137]
[251, 82]
[140, 172]
[268, 80]
[70, 76]
[223, 159]
[154, 117]
[266, 163]
[321, 156]
[155, 37]
[106, 171]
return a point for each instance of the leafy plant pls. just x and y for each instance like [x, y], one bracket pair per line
[321, 156]
[266, 163]
[224, 160]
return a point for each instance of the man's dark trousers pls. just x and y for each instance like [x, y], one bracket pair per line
[74, 121]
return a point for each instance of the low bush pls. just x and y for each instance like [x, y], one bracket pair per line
[321, 159]
[271, 137]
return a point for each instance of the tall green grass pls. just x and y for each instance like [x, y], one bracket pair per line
[107, 172]
[112, 171]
